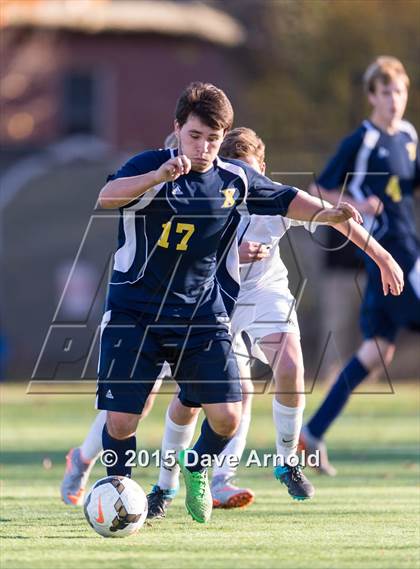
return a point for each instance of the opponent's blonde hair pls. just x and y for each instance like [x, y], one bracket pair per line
[241, 142]
[384, 69]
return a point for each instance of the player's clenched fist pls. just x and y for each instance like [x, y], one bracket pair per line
[338, 214]
[173, 169]
[250, 251]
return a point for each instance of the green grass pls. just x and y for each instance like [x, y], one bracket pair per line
[366, 517]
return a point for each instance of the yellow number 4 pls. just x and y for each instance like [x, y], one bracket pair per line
[393, 189]
[188, 228]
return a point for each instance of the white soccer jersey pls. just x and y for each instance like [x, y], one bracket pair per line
[265, 305]
[270, 272]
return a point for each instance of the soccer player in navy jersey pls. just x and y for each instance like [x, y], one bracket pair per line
[264, 286]
[379, 167]
[164, 302]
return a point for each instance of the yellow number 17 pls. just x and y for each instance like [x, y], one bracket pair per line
[187, 228]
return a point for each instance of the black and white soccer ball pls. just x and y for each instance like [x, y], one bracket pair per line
[116, 506]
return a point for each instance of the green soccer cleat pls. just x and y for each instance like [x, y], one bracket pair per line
[198, 500]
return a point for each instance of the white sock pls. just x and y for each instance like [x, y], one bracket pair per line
[92, 445]
[288, 423]
[175, 438]
[235, 447]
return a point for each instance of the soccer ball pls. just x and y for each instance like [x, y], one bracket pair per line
[116, 506]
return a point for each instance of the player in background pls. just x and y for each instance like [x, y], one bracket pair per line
[164, 302]
[378, 166]
[266, 312]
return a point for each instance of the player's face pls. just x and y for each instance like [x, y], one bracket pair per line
[254, 163]
[389, 101]
[198, 142]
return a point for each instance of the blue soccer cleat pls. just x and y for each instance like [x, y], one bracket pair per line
[158, 502]
[297, 484]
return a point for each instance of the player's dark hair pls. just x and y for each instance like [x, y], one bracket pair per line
[242, 142]
[206, 101]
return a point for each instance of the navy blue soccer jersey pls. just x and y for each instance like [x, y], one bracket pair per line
[177, 248]
[372, 162]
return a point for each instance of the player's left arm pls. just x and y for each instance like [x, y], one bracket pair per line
[266, 197]
[392, 275]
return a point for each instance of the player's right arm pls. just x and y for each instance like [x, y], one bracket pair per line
[131, 182]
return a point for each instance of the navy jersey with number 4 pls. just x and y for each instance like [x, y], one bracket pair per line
[372, 162]
[177, 249]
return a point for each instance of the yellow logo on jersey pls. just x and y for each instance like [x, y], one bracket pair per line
[393, 189]
[229, 197]
[411, 149]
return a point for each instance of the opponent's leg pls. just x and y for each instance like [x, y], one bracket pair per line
[80, 461]
[371, 356]
[179, 430]
[284, 354]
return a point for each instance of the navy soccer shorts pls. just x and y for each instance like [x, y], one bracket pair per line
[133, 348]
[383, 316]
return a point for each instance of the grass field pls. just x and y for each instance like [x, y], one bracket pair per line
[366, 517]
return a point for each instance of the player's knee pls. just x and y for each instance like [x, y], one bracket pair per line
[121, 425]
[374, 354]
[290, 373]
[190, 413]
[226, 425]
[182, 414]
